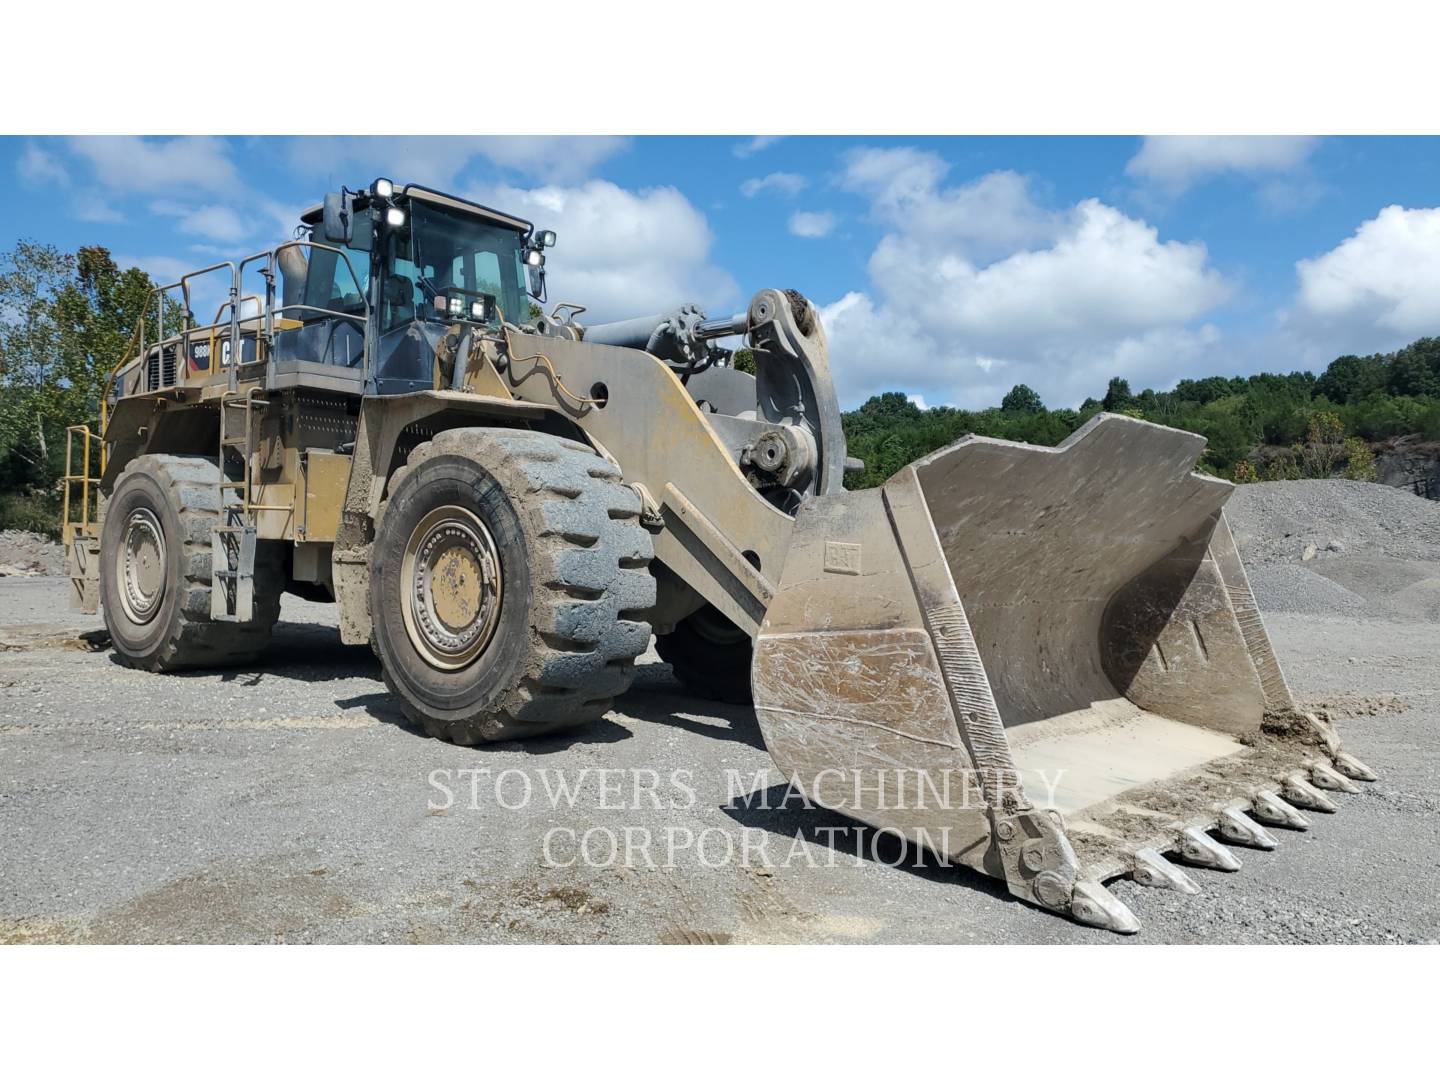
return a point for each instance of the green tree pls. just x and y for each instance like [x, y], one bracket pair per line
[1022, 399]
[98, 311]
[1323, 448]
[31, 277]
[65, 322]
[1203, 391]
[1411, 373]
[1117, 395]
[1349, 378]
[1360, 460]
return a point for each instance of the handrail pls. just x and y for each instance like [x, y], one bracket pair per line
[137, 347]
[268, 273]
[83, 478]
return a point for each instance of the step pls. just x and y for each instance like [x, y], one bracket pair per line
[232, 573]
[83, 558]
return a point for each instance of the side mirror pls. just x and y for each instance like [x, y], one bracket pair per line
[537, 282]
[336, 222]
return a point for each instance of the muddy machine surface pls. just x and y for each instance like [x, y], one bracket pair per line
[1045, 664]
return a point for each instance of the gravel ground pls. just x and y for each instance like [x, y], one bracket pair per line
[1340, 547]
[25, 554]
[288, 802]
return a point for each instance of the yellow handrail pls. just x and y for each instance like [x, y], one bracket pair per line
[83, 478]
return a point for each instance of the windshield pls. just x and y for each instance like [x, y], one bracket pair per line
[453, 252]
[334, 285]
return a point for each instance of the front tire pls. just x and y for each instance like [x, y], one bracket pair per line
[710, 656]
[508, 573]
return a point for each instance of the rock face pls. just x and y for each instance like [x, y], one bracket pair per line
[1411, 463]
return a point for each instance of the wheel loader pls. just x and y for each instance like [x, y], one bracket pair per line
[1041, 663]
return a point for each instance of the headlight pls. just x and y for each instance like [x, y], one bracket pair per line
[478, 311]
[546, 238]
[456, 305]
[382, 189]
[395, 217]
[534, 257]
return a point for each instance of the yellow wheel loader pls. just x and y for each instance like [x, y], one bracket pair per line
[1042, 663]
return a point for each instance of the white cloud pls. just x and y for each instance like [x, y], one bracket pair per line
[38, 167]
[1376, 289]
[277, 220]
[175, 173]
[994, 214]
[440, 160]
[208, 292]
[891, 179]
[918, 400]
[127, 163]
[622, 253]
[161, 268]
[811, 224]
[1105, 275]
[95, 206]
[754, 145]
[552, 157]
[783, 182]
[977, 287]
[219, 223]
[1176, 162]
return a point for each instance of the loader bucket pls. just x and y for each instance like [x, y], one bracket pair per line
[1042, 663]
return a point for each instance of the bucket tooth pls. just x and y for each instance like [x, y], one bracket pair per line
[1094, 905]
[1195, 847]
[1236, 828]
[1351, 767]
[1300, 792]
[1158, 872]
[1327, 779]
[1269, 809]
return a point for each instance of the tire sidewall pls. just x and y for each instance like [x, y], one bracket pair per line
[450, 480]
[141, 642]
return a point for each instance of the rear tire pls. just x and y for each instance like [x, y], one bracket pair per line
[155, 564]
[710, 655]
[509, 572]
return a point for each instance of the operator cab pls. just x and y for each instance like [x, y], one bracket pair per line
[425, 262]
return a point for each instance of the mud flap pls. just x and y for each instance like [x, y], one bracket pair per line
[1042, 663]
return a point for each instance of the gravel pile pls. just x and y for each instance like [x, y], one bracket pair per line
[26, 554]
[1339, 547]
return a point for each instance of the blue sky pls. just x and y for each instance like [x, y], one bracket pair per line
[949, 268]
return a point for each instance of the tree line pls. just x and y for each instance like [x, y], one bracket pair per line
[1258, 427]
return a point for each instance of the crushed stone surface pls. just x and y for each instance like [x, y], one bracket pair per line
[289, 801]
[29, 554]
[1339, 547]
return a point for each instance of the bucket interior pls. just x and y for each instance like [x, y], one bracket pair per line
[1042, 544]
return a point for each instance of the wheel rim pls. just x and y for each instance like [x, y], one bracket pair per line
[451, 574]
[142, 566]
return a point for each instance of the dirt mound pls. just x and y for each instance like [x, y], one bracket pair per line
[25, 554]
[1339, 547]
